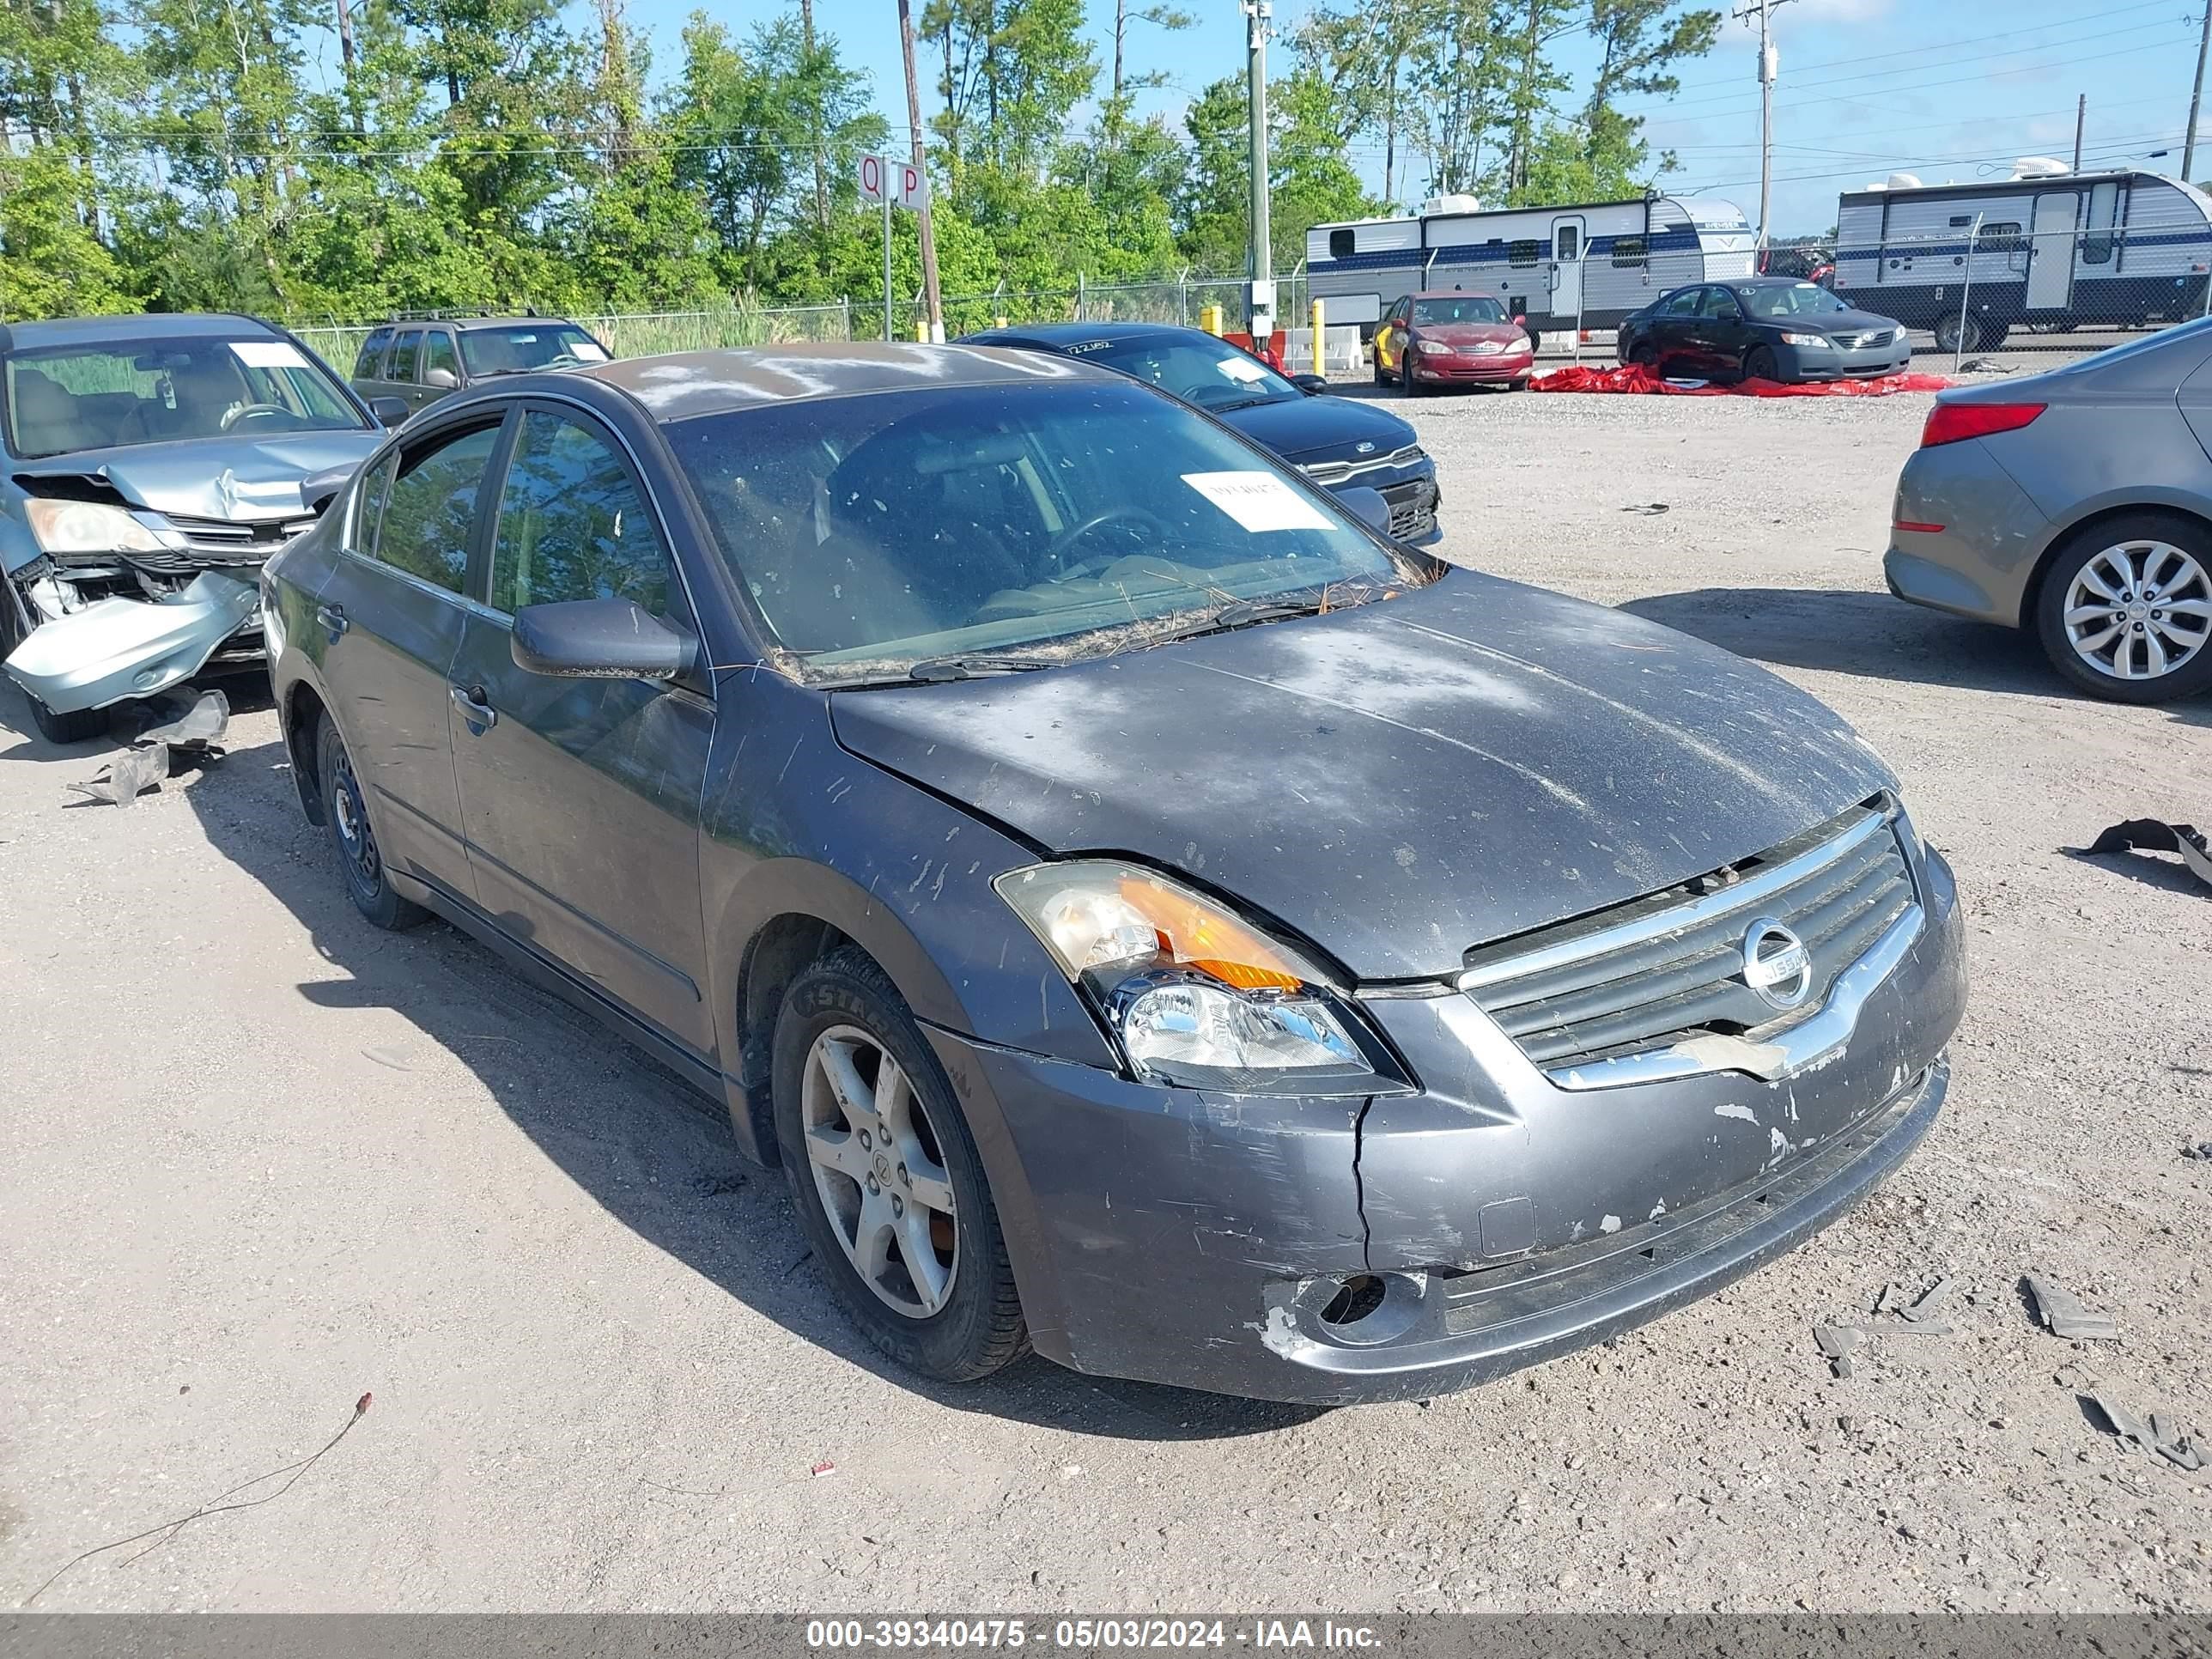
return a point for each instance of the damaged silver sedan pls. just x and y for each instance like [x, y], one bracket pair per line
[153, 464]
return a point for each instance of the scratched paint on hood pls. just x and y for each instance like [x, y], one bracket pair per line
[1538, 758]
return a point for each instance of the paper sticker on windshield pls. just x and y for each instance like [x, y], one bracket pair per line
[588, 352]
[1258, 501]
[1241, 369]
[267, 354]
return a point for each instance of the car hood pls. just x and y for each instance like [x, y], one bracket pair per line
[187, 477]
[1467, 334]
[1397, 782]
[1833, 322]
[1323, 429]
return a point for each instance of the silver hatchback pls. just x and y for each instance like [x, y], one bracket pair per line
[2076, 503]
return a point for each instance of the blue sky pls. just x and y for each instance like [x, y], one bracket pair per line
[1947, 90]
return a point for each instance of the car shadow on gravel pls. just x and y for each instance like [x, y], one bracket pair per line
[655, 1154]
[1844, 631]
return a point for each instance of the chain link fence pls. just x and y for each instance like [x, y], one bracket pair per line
[1181, 299]
[1996, 279]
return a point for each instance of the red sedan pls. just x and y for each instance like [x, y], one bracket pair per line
[1429, 340]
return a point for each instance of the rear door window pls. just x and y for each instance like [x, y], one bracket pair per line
[371, 360]
[404, 355]
[429, 512]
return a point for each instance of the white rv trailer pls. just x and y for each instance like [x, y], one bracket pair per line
[2054, 250]
[1583, 266]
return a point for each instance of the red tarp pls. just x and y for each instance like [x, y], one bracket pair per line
[1635, 378]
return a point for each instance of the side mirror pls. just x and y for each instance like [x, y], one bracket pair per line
[1520, 321]
[599, 640]
[318, 490]
[1313, 386]
[441, 380]
[1368, 507]
[389, 411]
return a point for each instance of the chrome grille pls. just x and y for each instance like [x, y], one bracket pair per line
[1332, 473]
[261, 536]
[1871, 338]
[1669, 966]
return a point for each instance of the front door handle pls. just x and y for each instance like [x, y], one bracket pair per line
[333, 619]
[474, 710]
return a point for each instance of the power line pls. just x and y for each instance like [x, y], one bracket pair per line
[2018, 69]
[1940, 46]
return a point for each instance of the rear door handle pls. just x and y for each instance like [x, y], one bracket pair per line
[474, 708]
[333, 619]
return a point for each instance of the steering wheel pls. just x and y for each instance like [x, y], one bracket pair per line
[251, 412]
[1068, 538]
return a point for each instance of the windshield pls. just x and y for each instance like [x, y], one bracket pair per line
[1797, 299]
[876, 531]
[1209, 374]
[521, 347]
[150, 392]
[1471, 308]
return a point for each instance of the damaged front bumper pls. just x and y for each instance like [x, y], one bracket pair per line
[1403, 1246]
[115, 648]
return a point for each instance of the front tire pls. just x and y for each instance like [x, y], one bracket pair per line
[1759, 365]
[886, 1179]
[1956, 333]
[75, 726]
[345, 812]
[2125, 609]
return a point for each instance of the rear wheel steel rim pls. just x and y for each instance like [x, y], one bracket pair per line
[879, 1168]
[350, 815]
[2139, 611]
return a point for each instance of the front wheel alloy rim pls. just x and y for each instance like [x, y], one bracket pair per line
[2139, 611]
[879, 1166]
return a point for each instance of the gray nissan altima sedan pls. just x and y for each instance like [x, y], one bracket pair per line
[2077, 505]
[1150, 917]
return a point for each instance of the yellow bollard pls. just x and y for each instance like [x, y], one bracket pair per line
[1209, 319]
[1321, 356]
[997, 322]
[921, 330]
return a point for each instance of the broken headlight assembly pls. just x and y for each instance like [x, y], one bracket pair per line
[1193, 994]
[63, 526]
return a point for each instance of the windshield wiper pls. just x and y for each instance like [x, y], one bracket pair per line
[930, 670]
[1245, 613]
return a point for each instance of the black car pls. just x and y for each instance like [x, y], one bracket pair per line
[1151, 917]
[420, 361]
[1339, 443]
[1761, 328]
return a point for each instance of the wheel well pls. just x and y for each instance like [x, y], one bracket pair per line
[2031, 596]
[784, 948]
[303, 713]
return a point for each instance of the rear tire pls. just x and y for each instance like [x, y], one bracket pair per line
[1954, 333]
[949, 1311]
[1759, 365]
[2079, 649]
[345, 811]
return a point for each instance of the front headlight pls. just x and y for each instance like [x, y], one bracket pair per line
[1433, 348]
[1804, 339]
[87, 527]
[1195, 994]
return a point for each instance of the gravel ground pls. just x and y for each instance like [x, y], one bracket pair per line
[261, 1158]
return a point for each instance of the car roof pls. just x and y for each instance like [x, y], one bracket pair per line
[464, 324]
[1451, 294]
[686, 384]
[142, 326]
[1067, 334]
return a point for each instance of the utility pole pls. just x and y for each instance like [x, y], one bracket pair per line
[2080, 115]
[927, 236]
[1766, 64]
[2196, 94]
[1262, 305]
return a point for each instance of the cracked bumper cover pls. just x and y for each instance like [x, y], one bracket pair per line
[1194, 1239]
[117, 648]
